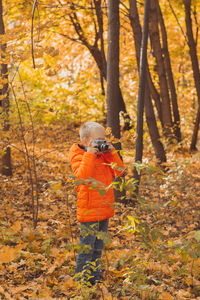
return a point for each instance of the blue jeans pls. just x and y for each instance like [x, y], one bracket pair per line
[91, 244]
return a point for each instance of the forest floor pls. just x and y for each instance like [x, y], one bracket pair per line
[154, 251]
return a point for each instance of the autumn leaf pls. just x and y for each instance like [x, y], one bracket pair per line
[16, 226]
[8, 254]
[165, 296]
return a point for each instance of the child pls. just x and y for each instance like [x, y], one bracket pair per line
[93, 209]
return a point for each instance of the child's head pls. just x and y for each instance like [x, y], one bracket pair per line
[90, 131]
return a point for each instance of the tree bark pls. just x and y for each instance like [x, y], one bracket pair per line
[6, 156]
[168, 68]
[113, 89]
[195, 67]
[141, 92]
[113, 95]
[157, 52]
[103, 71]
[99, 15]
[149, 111]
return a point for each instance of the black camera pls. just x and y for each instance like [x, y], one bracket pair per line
[101, 145]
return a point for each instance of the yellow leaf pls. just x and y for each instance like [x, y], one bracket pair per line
[108, 131]
[170, 243]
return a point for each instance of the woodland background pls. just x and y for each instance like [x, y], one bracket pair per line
[53, 78]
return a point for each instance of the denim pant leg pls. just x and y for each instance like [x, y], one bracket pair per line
[87, 241]
[87, 263]
[98, 247]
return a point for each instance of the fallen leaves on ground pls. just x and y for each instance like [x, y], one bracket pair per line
[158, 263]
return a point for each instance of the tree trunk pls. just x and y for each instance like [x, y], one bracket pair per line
[168, 68]
[141, 93]
[149, 111]
[137, 32]
[157, 52]
[195, 67]
[6, 156]
[103, 71]
[153, 129]
[99, 15]
[98, 54]
[113, 89]
[113, 96]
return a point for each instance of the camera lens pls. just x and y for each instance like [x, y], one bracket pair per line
[101, 145]
[104, 147]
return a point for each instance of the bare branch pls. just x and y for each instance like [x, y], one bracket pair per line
[32, 43]
[26, 152]
[68, 6]
[172, 9]
[38, 23]
[194, 12]
[97, 35]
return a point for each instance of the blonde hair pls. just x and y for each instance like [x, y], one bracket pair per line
[87, 127]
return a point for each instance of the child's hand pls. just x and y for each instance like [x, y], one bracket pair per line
[110, 147]
[92, 148]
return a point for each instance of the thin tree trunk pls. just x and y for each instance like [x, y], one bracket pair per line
[113, 96]
[153, 129]
[168, 68]
[141, 93]
[157, 51]
[155, 95]
[149, 111]
[99, 15]
[195, 67]
[103, 71]
[6, 156]
[137, 32]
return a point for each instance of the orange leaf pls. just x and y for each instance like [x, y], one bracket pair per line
[16, 226]
[165, 296]
[7, 254]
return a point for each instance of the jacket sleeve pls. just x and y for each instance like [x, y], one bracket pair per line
[83, 165]
[113, 157]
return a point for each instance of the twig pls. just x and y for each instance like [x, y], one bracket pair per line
[32, 44]
[38, 23]
[27, 153]
[15, 72]
[13, 146]
[197, 24]
[68, 6]
[177, 21]
[70, 226]
[46, 153]
[33, 156]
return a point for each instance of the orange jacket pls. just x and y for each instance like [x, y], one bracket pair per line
[91, 206]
